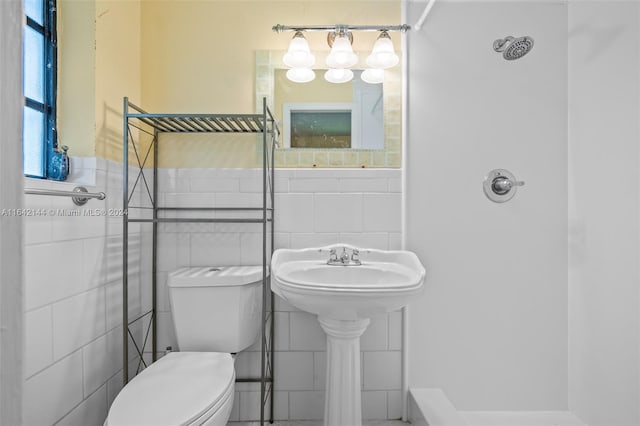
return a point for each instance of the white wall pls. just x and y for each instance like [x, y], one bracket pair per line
[11, 294]
[491, 328]
[604, 210]
[314, 207]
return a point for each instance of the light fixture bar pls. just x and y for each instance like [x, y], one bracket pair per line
[341, 28]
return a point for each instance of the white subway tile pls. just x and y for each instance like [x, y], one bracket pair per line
[306, 405]
[101, 360]
[52, 393]
[249, 409]
[382, 212]
[395, 241]
[374, 240]
[182, 199]
[324, 184]
[395, 185]
[284, 306]
[166, 332]
[282, 240]
[216, 184]
[113, 308]
[248, 364]
[38, 340]
[114, 386]
[382, 370]
[338, 213]
[294, 212]
[294, 370]
[305, 332]
[251, 248]
[236, 199]
[395, 331]
[281, 331]
[313, 240]
[394, 405]
[281, 184]
[374, 405]
[374, 337]
[94, 262]
[319, 370]
[47, 277]
[91, 412]
[78, 320]
[235, 409]
[215, 249]
[364, 185]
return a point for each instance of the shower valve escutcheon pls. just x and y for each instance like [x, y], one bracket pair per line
[500, 185]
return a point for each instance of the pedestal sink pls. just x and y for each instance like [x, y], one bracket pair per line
[344, 287]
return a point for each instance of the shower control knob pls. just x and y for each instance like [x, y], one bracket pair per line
[500, 185]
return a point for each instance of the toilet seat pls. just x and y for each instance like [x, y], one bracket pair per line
[182, 388]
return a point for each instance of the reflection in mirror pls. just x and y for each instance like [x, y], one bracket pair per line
[320, 114]
[354, 124]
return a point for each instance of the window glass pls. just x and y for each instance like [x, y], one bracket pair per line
[33, 65]
[32, 137]
[33, 9]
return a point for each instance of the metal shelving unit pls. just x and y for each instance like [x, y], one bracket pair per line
[139, 124]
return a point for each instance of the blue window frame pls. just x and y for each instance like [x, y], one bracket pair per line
[39, 138]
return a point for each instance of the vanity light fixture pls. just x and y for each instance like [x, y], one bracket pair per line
[372, 75]
[383, 55]
[341, 57]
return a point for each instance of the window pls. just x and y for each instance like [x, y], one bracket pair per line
[40, 69]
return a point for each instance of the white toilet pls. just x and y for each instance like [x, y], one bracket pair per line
[216, 311]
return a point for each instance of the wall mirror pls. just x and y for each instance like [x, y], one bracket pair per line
[324, 124]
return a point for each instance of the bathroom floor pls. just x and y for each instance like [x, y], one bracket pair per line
[319, 423]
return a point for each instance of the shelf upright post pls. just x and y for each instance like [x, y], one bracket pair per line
[125, 241]
[154, 256]
[273, 215]
[264, 260]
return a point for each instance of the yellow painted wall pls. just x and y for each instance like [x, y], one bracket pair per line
[182, 56]
[99, 63]
[199, 56]
[76, 76]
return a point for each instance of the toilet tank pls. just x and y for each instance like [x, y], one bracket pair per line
[216, 309]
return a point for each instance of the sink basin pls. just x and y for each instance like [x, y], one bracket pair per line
[385, 281]
[344, 287]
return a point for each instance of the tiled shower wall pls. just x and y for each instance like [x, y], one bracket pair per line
[314, 207]
[73, 298]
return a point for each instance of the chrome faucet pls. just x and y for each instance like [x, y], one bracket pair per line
[344, 259]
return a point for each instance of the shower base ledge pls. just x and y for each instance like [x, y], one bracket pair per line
[431, 407]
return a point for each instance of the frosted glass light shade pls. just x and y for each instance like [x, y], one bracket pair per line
[341, 55]
[338, 75]
[301, 75]
[372, 75]
[299, 55]
[383, 55]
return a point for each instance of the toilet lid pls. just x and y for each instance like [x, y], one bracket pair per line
[175, 390]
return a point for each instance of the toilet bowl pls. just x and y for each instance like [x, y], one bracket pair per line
[216, 311]
[180, 389]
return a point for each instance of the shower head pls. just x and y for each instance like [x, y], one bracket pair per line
[513, 48]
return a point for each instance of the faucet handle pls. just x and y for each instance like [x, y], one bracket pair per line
[354, 254]
[333, 255]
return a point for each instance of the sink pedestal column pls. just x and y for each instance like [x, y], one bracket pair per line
[343, 406]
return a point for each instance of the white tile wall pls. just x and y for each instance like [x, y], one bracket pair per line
[73, 315]
[73, 306]
[313, 208]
